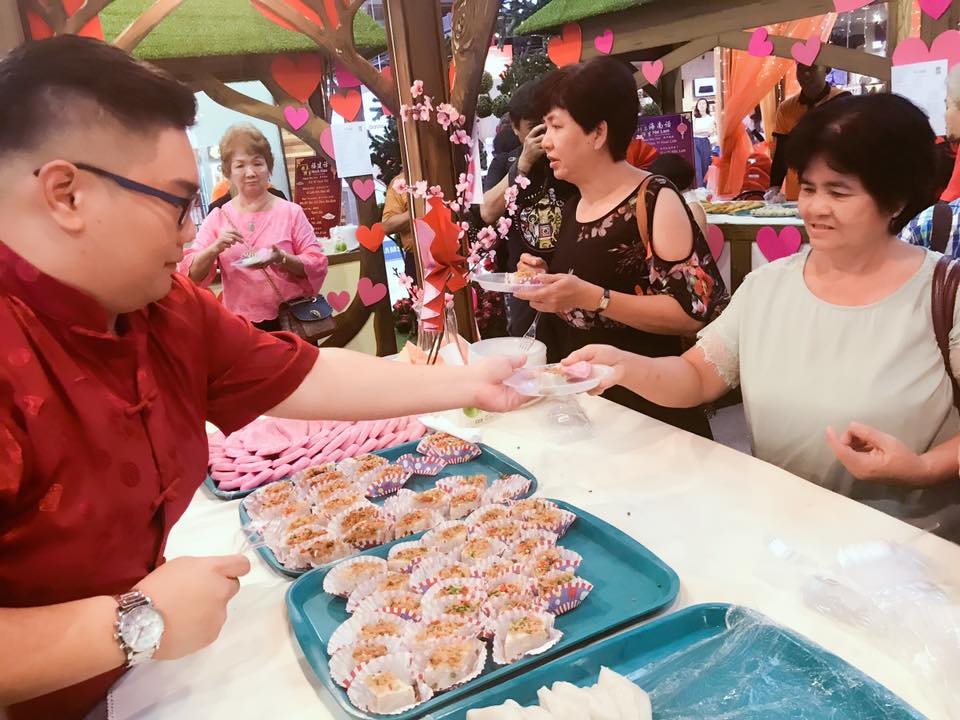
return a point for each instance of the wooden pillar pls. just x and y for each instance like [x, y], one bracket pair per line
[418, 52]
[11, 26]
[671, 92]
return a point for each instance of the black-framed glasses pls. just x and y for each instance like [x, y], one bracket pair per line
[186, 205]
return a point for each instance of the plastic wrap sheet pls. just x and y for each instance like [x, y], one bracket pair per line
[756, 670]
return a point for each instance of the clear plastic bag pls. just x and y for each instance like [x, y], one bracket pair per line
[566, 419]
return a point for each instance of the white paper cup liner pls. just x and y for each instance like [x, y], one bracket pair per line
[260, 502]
[348, 575]
[495, 567]
[519, 509]
[361, 464]
[340, 523]
[488, 512]
[430, 631]
[506, 531]
[480, 548]
[318, 553]
[555, 521]
[431, 571]
[383, 481]
[398, 504]
[464, 502]
[378, 623]
[531, 543]
[565, 597]
[457, 483]
[447, 589]
[299, 477]
[405, 603]
[370, 534]
[550, 559]
[517, 585]
[374, 585]
[331, 507]
[501, 630]
[343, 664]
[507, 489]
[442, 677]
[398, 561]
[414, 521]
[447, 537]
[401, 665]
[436, 500]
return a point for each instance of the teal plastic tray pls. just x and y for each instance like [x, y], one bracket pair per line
[713, 661]
[490, 462]
[629, 582]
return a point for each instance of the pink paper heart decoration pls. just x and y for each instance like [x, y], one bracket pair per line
[946, 46]
[715, 241]
[345, 78]
[604, 41]
[760, 45]
[934, 8]
[370, 293]
[775, 246]
[806, 53]
[848, 5]
[326, 142]
[296, 117]
[363, 189]
[652, 71]
[338, 300]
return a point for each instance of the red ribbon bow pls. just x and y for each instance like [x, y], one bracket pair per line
[450, 273]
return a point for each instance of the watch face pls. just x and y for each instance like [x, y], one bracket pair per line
[141, 629]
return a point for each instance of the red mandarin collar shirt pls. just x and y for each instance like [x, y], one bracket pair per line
[102, 439]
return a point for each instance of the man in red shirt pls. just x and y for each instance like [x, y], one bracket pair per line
[110, 364]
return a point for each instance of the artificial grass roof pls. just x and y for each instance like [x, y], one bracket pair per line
[560, 12]
[216, 28]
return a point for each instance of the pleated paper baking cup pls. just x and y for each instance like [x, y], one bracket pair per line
[404, 556]
[365, 626]
[518, 633]
[432, 570]
[464, 502]
[486, 513]
[452, 450]
[405, 603]
[556, 521]
[444, 590]
[508, 532]
[458, 483]
[383, 481]
[480, 548]
[351, 658]
[348, 575]
[421, 464]
[508, 488]
[562, 591]
[388, 686]
[447, 537]
[361, 464]
[448, 664]
[521, 508]
[429, 632]
[385, 583]
[436, 500]
[494, 567]
[369, 534]
[531, 543]
[550, 559]
[341, 523]
[416, 520]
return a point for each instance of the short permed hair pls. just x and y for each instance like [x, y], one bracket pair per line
[38, 78]
[884, 140]
[244, 137]
[601, 90]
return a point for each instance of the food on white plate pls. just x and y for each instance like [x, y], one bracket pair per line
[578, 371]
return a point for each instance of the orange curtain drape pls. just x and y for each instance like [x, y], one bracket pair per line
[748, 80]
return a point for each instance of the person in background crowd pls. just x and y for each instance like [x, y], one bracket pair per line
[290, 263]
[608, 281]
[396, 221]
[677, 170]
[839, 336]
[704, 129]
[920, 230]
[814, 92]
[506, 151]
[536, 222]
[111, 363]
[754, 125]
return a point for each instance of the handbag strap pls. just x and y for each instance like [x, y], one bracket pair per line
[643, 219]
[946, 281]
[942, 225]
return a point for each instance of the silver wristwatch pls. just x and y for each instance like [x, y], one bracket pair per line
[139, 626]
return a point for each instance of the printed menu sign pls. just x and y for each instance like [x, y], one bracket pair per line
[317, 191]
[668, 134]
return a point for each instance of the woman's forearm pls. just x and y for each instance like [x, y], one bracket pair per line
[293, 265]
[667, 381]
[940, 464]
[659, 314]
[202, 265]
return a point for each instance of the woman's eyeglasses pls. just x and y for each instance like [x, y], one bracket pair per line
[186, 205]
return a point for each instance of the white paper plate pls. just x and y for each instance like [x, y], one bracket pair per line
[501, 282]
[528, 381]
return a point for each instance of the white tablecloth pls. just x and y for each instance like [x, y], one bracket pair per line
[713, 219]
[706, 510]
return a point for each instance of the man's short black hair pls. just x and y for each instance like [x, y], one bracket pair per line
[525, 104]
[674, 168]
[38, 81]
[885, 140]
[602, 89]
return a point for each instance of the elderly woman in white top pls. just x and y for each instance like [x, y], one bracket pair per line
[834, 349]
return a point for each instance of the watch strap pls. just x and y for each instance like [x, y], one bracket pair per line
[125, 603]
[604, 300]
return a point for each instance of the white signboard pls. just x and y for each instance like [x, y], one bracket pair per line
[925, 85]
[351, 145]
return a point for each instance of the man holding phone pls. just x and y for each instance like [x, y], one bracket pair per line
[536, 223]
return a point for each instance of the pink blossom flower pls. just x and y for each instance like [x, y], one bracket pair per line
[510, 194]
[523, 181]
[406, 281]
[474, 260]
[405, 111]
[468, 196]
[416, 90]
[465, 183]
[435, 191]
[503, 226]
[420, 189]
[455, 206]
[424, 112]
[443, 118]
[487, 237]
[465, 225]
[460, 137]
[400, 185]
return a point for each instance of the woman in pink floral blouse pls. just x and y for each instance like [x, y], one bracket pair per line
[270, 236]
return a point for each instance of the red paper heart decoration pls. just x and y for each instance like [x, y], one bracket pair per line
[848, 5]
[347, 105]
[370, 293]
[946, 46]
[346, 78]
[296, 117]
[39, 30]
[806, 53]
[604, 42]
[760, 45]
[774, 246]
[338, 300]
[298, 76]
[371, 237]
[934, 8]
[363, 189]
[566, 49]
[652, 71]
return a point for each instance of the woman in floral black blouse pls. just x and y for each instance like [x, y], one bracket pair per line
[606, 282]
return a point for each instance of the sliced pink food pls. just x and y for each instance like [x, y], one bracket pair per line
[301, 464]
[253, 467]
[579, 371]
